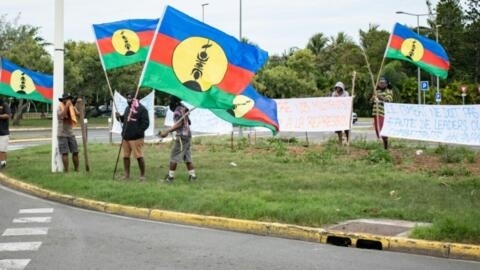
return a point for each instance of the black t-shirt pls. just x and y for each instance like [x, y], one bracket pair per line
[4, 123]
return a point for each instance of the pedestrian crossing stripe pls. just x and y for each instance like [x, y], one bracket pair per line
[25, 231]
[32, 220]
[20, 246]
[36, 211]
[14, 264]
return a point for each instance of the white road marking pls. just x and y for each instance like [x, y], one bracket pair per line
[25, 231]
[20, 246]
[32, 220]
[13, 264]
[36, 211]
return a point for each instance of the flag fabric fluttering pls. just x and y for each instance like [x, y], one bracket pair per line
[429, 55]
[125, 42]
[22, 83]
[198, 63]
[254, 110]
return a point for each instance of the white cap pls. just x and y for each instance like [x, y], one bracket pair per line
[340, 84]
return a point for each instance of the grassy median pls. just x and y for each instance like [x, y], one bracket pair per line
[283, 180]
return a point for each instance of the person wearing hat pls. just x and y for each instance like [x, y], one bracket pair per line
[135, 121]
[5, 115]
[181, 150]
[67, 120]
[339, 91]
[382, 94]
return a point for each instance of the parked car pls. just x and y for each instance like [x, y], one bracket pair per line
[354, 117]
[160, 111]
[100, 111]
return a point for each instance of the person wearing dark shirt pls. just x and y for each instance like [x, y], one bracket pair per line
[5, 115]
[135, 121]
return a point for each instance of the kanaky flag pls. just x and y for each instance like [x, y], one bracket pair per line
[22, 83]
[404, 44]
[252, 110]
[124, 42]
[198, 63]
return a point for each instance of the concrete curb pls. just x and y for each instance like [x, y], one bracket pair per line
[319, 235]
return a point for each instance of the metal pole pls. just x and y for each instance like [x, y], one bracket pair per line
[240, 129]
[436, 39]
[58, 66]
[240, 26]
[203, 11]
[418, 33]
[418, 68]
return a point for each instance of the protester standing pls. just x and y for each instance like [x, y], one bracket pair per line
[135, 121]
[339, 91]
[5, 115]
[67, 119]
[382, 94]
[181, 150]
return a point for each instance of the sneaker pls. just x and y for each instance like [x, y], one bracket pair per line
[169, 179]
[192, 178]
[3, 164]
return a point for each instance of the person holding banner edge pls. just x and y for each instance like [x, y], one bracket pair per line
[382, 94]
[339, 91]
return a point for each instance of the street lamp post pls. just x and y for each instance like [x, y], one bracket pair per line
[418, 32]
[436, 39]
[203, 11]
[240, 23]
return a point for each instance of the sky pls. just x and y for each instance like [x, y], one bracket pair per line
[274, 25]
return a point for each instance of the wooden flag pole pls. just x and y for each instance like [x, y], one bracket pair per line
[81, 109]
[354, 75]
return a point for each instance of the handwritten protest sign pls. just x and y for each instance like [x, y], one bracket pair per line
[458, 124]
[294, 114]
[314, 114]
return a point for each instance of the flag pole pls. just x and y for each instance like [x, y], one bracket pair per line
[377, 128]
[354, 75]
[106, 75]
[374, 84]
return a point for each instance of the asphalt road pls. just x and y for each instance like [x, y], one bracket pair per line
[73, 238]
[20, 138]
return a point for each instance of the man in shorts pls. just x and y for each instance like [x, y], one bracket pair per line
[67, 119]
[181, 150]
[135, 121]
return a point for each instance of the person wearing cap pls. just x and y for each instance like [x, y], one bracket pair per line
[135, 121]
[382, 94]
[181, 150]
[339, 91]
[5, 115]
[67, 120]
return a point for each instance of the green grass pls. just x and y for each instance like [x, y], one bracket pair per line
[279, 182]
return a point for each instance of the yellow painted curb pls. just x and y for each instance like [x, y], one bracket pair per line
[360, 240]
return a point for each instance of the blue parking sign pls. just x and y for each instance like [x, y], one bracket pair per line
[424, 85]
[438, 97]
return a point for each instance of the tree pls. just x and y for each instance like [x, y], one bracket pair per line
[317, 43]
